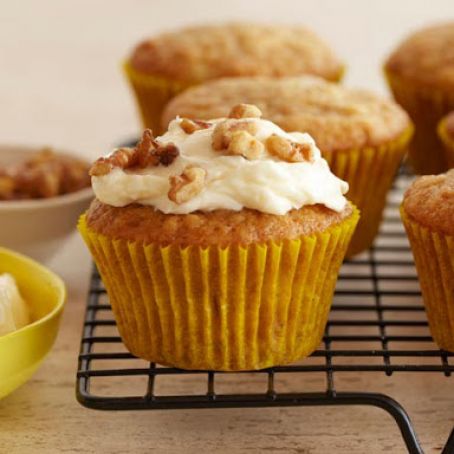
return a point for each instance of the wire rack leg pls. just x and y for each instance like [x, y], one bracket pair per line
[395, 410]
[449, 447]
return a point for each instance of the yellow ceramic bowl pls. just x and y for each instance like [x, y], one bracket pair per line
[22, 351]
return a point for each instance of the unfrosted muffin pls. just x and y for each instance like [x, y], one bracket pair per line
[420, 73]
[219, 242]
[362, 136]
[428, 215]
[162, 66]
[446, 135]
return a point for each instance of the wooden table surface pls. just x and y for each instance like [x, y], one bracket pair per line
[61, 85]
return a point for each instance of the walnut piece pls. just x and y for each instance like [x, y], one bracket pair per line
[244, 144]
[45, 174]
[187, 185]
[287, 150]
[143, 154]
[222, 134]
[147, 153]
[167, 153]
[122, 158]
[7, 185]
[245, 111]
[190, 126]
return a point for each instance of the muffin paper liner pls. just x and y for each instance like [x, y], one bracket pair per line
[152, 94]
[448, 143]
[426, 108]
[369, 172]
[232, 308]
[434, 259]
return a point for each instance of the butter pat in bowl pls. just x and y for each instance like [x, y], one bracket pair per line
[42, 194]
[30, 328]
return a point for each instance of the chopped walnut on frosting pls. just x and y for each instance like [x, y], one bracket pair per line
[245, 111]
[236, 134]
[187, 185]
[245, 144]
[287, 150]
[147, 153]
[191, 126]
[222, 134]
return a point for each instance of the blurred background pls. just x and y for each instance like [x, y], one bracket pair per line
[61, 81]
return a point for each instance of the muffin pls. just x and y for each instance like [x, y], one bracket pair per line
[219, 243]
[446, 135]
[162, 66]
[420, 73]
[362, 136]
[428, 215]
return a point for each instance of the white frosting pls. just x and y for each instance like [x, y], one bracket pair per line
[267, 184]
[13, 310]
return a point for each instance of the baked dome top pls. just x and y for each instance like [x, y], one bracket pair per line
[237, 49]
[426, 57]
[430, 201]
[338, 118]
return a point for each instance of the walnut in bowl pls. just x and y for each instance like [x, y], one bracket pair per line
[42, 194]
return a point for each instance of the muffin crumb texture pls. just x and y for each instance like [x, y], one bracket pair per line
[199, 53]
[430, 201]
[220, 227]
[426, 57]
[338, 118]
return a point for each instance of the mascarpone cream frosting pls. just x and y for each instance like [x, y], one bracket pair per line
[267, 184]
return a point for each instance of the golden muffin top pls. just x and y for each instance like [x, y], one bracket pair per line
[426, 57]
[430, 201]
[218, 227]
[237, 49]
[338, 118]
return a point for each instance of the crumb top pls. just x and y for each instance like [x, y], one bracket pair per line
[338, 118]
[426, 57]
[430, 201]
[200, 53]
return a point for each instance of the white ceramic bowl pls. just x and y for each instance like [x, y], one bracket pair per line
[38, 228]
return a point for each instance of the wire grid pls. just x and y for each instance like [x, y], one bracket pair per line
[377, 324]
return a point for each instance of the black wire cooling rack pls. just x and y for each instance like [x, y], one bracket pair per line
[377, 324]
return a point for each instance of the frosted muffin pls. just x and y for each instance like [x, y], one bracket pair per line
[164, 65]
[428, 215]
[446, 135]
[420, 73]
[362, 136]
[219, 242]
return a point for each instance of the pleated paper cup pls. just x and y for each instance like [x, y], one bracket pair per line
[152, 93]
[426, 108]
[434, 258]
[232, 308]
[448, 143]
[370, 173]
